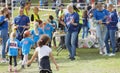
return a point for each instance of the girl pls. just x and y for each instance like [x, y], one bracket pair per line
[85, 24]
[48, 29]
[37, 32]
[12, 46]
[26, 45]
[54, 24]
[43, 52]
[34, 17]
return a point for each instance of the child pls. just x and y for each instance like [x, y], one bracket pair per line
[26, 44]
[12, 46]
[85, 24]
[43, 52]
[37, 32]
[48, 29]
[54, 24]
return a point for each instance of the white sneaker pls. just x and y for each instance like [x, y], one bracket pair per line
[101, 53]
[20, 62]
[112, 54]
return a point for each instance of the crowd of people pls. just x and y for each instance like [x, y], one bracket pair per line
[31, 31]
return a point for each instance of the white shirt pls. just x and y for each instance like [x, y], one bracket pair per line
[43, 51]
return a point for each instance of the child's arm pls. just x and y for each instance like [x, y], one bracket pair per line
[33, 57]
[53, 59]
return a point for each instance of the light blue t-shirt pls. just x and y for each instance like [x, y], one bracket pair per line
[35, 36]
[13, 46]
[48, 29]
[26, 44]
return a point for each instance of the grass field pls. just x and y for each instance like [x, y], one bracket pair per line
[87, 60]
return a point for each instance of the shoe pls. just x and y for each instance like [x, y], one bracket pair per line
[15, 71]
[101, 53]
[28, 65]
[72, 59]
[112, 54]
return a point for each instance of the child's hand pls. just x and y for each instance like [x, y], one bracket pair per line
[57, 67]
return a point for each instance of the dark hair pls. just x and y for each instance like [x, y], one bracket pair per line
[39, 21]
[7, 15]
[27, 3]
[85, 13]
[51, 17]
[76, 9]
[43, 40]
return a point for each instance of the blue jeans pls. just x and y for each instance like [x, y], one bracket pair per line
[70, 42]
[4, 36]
[85, 32]
[101, 32]
[110, 35]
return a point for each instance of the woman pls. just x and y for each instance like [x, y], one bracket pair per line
[71, 22]
[4, 32]
[112, 21]
[100, 15]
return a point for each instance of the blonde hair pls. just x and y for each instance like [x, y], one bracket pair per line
[70, 6]
[12, 35]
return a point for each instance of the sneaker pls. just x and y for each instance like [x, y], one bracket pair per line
[20, 62]
[101, 53]
[112, 54]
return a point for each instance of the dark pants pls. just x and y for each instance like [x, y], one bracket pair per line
[15, 60]
[45, 65]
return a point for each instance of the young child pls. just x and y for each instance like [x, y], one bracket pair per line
[43, 52]
[12, 47]
[54, 24]
[37, 32]
[85, 24]
[48, 29]
[26, 44]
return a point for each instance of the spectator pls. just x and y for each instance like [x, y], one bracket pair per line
[4, 31]
[21, 23]
[100, 18]
[112, 21]
[85, 24]
[27, 8]
[35, 16]
[71, 23]
[22, 3]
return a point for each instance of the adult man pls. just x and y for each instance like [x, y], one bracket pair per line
[21, 23]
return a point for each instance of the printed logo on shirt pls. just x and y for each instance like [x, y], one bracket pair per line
[13, 44]
[25, 42]
[48, 28]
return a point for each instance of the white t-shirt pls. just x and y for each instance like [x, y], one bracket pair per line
[43, 51]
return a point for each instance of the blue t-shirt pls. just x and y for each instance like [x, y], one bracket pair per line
[48, 29]
[13, 46]
[54, 24]
[68, 18]
[100, 15]
[26, 44]
[35, 36]
[21, 21]
[5, 25]
[113, 19]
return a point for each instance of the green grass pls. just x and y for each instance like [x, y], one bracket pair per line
[87, 61]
